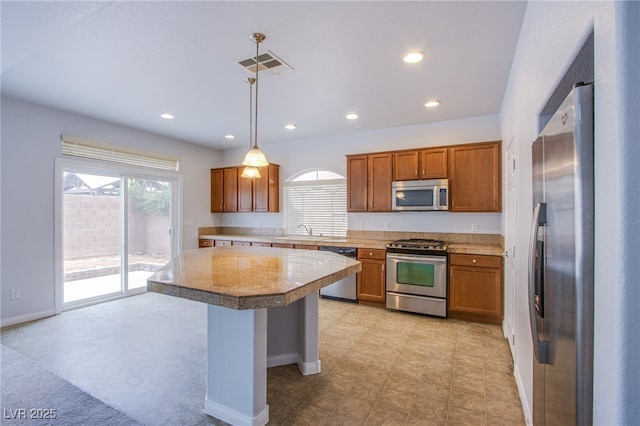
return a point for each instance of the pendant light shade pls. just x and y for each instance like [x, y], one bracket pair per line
[255, 157]
[250, 172]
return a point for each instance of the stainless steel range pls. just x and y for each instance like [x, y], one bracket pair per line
[417, 276]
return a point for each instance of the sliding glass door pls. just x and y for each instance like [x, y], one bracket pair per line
[149, 229]
[117, 230]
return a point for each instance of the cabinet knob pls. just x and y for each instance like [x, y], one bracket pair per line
[474, 261]
[370, 254]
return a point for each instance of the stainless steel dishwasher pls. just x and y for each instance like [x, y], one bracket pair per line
[345, 289]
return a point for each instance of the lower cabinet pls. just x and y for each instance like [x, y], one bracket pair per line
[475, 288]
[205, 242]
[371, 279]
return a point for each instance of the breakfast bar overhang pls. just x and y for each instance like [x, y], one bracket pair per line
[262, 312]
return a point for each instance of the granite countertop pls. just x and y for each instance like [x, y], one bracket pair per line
[302, 240]
[479, 249]
[243, 277]
[462, 248]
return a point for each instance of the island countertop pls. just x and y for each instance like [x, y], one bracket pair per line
[240, 277]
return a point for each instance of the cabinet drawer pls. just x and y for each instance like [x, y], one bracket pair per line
[481, 261]
[205, 243]
[372, 254]
[223, 243]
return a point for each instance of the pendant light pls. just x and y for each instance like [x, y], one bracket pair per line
[250, 171]
[255, 157]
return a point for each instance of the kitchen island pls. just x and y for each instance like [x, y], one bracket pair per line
[262, 312]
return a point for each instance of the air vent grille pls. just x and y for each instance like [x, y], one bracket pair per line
[268, 61]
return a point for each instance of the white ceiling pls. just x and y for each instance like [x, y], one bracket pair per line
[128, 62]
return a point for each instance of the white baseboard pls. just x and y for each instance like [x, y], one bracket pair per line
[523, 398]
[26, 318]
[308, 368]
[234, 417]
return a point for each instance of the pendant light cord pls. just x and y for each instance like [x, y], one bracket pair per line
[255, 139]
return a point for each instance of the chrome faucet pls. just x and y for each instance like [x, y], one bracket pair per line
[307, 228]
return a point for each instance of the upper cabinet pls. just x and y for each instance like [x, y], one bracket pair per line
[420, 164]
[475, 183]
[266, 190]
[474, 173]
[224, 190]
[369, 180]
[232, 193]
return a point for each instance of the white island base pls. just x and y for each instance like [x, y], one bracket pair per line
[242, 344]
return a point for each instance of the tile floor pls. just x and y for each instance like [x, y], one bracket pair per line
[144, 355]
[390, 368]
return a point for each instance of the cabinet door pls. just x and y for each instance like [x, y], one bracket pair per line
[475, 178]
[357, 183]
[405, 165]
[266, 190]
[370, 281]
[205, 242]
[245, 193]
[230, 192]
[434, 163]
[380, 176]
[475, 293]
[217, 190]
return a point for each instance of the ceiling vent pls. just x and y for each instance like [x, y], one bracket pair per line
[268, 61]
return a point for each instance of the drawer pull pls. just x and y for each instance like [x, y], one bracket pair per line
[474, 261]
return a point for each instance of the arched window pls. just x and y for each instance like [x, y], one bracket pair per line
[316, 199]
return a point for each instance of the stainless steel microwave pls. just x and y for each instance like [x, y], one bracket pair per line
[420, 195]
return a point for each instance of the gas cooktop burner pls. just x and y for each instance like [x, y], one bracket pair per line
[418, 244]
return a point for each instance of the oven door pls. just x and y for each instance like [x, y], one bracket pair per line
[417, 274]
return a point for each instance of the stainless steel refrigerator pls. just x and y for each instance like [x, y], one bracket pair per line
[561, 264]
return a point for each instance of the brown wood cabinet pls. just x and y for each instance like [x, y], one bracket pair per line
[230, 190]
[224, 190]
[258, 244]
[357, 183]
[475, 183]
[380, 176]
[420, 164]
[434, 163]
[282, 245]
[305, 247]
[205, 242]
[245, 193]
[370, 281]
[217, 190]
[232, 193]
[369, 180]
[476, 288]
[266, 190]
[406, 165]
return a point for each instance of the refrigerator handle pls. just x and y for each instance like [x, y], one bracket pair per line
[539, 347]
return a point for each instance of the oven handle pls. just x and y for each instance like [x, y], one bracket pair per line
[414, 257]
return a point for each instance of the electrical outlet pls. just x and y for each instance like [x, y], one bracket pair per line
[359, 224]
[387, 226]
[15, 294]
[475, 227]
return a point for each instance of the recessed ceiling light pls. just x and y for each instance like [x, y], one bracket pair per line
[290, 126]
[167, 116]
[229, 136]
[413, 57]
[352, 116]
[432, 104]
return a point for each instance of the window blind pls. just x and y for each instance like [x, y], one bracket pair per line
[95, 150]
[320, 205]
